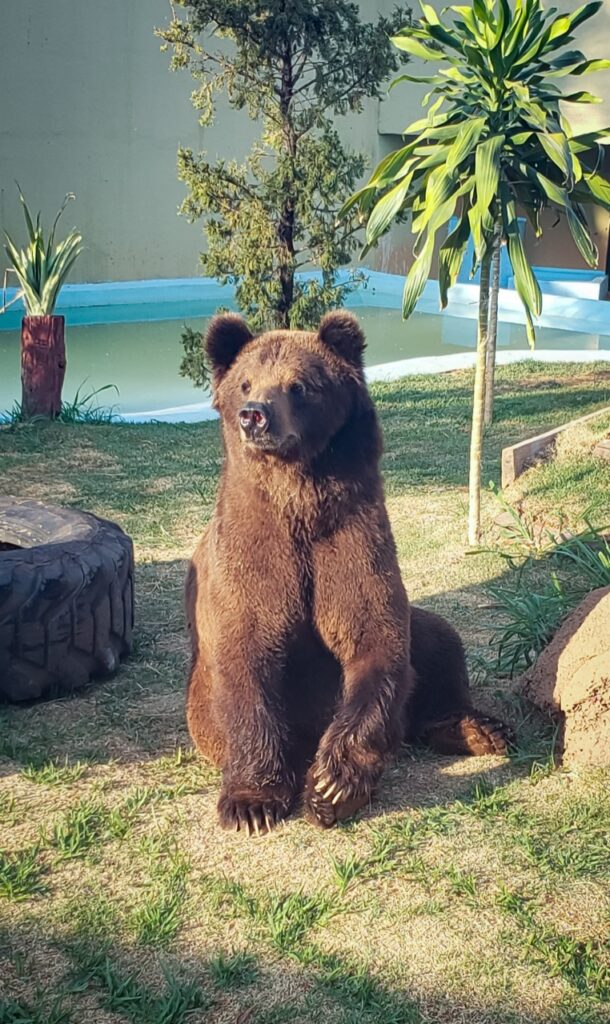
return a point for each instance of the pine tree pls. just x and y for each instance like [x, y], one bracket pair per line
[294, 65]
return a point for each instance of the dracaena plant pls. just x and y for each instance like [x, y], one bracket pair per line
[42, 266]
[495, 141]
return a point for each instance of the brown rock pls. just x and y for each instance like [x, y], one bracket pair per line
[571, 679]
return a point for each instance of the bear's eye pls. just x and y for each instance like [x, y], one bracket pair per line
[245, 387]
[297, 388]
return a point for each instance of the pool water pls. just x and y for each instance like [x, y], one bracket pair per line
[142, 359]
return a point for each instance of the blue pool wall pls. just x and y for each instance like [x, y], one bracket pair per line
[188, 298]
[185, 298]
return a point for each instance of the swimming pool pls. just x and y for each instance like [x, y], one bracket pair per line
[132, 339]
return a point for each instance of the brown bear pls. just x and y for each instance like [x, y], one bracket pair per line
[308, 665]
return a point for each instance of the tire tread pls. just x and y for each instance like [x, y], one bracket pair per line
[66, 605]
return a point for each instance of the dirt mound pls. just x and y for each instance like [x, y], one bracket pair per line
[571, 679]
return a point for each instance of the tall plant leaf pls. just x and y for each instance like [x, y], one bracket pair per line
[451, 256]
[385, 210]
[41, 268]
[525, 282]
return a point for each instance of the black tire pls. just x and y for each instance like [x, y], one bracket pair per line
[66, 598]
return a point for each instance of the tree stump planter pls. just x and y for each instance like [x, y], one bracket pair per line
[43, 366]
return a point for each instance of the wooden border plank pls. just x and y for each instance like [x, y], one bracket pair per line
[516, 458]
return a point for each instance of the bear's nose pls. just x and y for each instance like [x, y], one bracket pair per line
[254, 418]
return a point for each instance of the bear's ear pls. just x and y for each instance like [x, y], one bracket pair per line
[342, 333]
[225, 337]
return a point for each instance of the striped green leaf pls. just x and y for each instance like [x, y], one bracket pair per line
[580, 97]
[525, 281]
[583, 13]
[414, 48]
[451, 256]
[418, 79]
[581, 235]
[417, 276]
[465, 141]
[599, 188]
[394, 166]
[589, 66]
[364, 198]
[556, 148]
[429, 13]
[385, 210]
[487, 171]
[556, 193]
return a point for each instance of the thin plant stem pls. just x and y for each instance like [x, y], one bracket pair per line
[478, 408]
[492, 325]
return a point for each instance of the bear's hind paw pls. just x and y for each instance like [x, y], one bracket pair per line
[470, 733]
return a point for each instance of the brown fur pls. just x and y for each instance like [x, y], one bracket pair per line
[304, 672]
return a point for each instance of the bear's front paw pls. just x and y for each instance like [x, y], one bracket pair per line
[336, 790]
[253, 811]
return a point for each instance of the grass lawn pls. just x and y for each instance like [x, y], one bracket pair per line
[473, 890]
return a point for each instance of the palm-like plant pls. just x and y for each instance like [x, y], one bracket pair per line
[494, 141]
[42, 267]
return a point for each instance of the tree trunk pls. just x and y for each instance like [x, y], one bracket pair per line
[286, 239]
[478, 409]
[492, 326]
[43, 365]
[286, 222]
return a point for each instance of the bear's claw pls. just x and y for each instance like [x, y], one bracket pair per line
[335, 793]
[252, 813]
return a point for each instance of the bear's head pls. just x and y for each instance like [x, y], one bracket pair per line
[287, 394]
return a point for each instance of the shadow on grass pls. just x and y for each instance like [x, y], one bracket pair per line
[92, 976]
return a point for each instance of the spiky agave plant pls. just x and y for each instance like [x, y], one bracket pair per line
[42, 267]
[494, 140]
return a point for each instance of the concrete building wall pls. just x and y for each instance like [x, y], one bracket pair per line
[90, 106]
